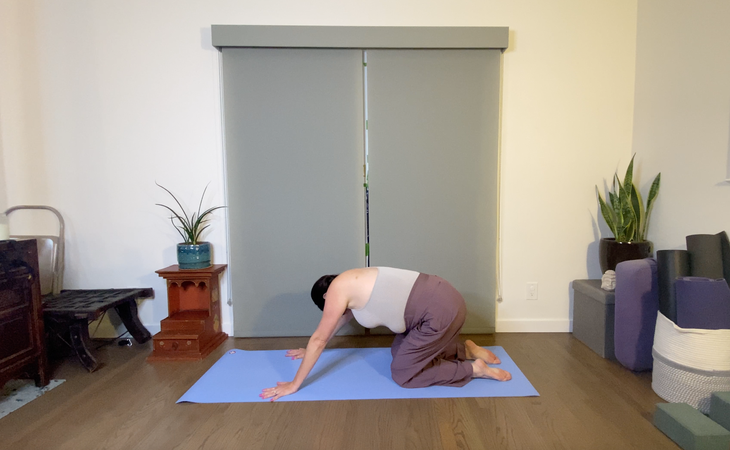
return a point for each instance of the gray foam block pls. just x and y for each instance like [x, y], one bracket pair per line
[689, 428]
[720, 408]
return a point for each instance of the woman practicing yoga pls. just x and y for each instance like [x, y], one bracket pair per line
[425, 311]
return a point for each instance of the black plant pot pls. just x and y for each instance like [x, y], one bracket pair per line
[610, 252]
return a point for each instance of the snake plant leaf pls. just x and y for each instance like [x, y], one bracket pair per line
[625, 213]
[608, 215]
[653, 192]
[638, 204]
[613, 194]
[628, 214]
[615, 202]
[629, 176]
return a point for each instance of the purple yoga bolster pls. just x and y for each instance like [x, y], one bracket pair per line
[636, 308]
[703, 303]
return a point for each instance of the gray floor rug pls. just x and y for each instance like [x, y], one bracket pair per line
[17, 393]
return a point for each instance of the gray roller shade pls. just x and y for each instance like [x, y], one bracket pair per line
[294, 162]
[433, 153]
[294, 145]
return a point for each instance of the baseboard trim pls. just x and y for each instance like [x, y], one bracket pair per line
[534, 326]
[502, 326]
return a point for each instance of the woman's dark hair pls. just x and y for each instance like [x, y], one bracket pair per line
[320, 288]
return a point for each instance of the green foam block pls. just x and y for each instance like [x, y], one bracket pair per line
[689, 428]
[720, 408]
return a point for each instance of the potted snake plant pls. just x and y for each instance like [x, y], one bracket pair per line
[628, 219]
[192, 253]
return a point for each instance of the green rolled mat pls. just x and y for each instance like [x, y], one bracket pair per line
[720, 408]
[689, 428]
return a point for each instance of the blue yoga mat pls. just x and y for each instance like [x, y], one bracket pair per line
[340, 374]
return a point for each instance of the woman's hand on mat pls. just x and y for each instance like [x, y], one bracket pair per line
[282, 388]
[296, 353]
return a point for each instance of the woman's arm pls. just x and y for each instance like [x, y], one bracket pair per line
[299, 353]
[333, 317]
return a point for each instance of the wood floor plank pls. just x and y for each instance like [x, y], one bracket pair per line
[585, 402]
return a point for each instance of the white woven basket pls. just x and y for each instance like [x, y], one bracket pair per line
[690, 364]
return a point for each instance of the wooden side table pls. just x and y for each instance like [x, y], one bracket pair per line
[193, 327]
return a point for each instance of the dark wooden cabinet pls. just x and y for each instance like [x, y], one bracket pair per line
[22, 339]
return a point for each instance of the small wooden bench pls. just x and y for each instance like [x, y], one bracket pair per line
[70, 312]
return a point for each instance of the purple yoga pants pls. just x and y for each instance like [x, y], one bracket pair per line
[429, 352]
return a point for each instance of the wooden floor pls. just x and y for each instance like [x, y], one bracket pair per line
[585, 402]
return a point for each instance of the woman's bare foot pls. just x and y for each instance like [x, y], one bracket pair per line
[482, 370]
[473, 351]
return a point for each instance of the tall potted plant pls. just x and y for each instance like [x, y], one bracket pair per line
[628, 219]
[192, 253]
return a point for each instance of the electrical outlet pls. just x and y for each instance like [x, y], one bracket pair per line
[532, 291]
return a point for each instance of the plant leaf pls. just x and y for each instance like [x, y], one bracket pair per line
[608, 215]
[189, 227]
[628, 218]
[175, 216]
[200, 205]
[638, 204]
[202, 218]
[172, 220]
[200, 231]
[187, 220]
[625, 213]
[653, 192]
[629, 177]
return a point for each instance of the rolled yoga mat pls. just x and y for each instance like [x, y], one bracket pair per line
[703, 303]
[725, 255]
[705, 255]
[671, 265]
[340, 374]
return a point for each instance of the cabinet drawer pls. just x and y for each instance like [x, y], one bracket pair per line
[14, 292]
[15, 333]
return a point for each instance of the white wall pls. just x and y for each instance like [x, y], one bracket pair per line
[102, 98]
[3, 188]
[682, 118]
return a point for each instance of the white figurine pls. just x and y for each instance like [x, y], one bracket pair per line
[608, 281]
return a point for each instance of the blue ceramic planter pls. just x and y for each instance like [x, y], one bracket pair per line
[191, 256]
